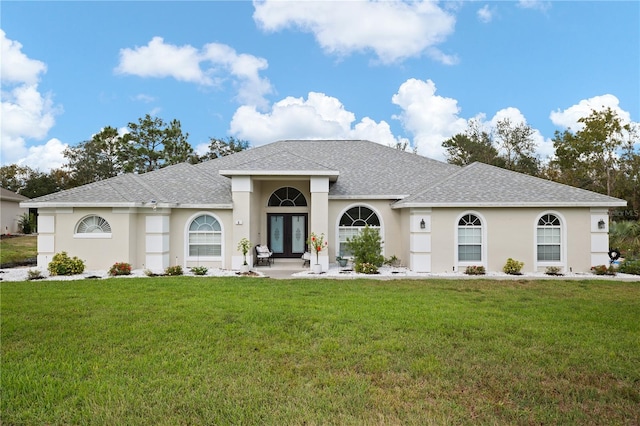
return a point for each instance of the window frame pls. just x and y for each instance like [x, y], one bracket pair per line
[92, 235]
[187, 238]
[341, 238]
[483, 240]
[562, 245]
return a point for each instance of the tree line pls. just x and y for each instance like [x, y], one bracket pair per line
[602, 156]
[150, 144]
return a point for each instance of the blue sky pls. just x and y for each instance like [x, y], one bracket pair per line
[269, 70]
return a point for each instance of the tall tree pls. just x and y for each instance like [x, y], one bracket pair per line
[220, 147]
[589, 158]
[516, 146]
[152, 144]
[473, 145]
[30, 182]
[96, 159]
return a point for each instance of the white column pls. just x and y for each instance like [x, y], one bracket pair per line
[420, 240]
[599, 237]
[157, 243]
[319, 220]
[46, 237]
[241, 189]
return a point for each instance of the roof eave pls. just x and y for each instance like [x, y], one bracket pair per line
[402, 205]
[333, 174]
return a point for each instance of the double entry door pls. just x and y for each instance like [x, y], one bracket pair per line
[287, 234]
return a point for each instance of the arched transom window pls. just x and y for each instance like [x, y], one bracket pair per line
[93, 225]
[287, 197]
[205, 237]
[469, 239]
[549, 238]
[352, 222]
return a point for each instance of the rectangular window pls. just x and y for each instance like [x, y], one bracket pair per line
[548, 240]
[469, 244]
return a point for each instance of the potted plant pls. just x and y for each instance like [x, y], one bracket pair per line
[342, 261]
[244, 245]
[317, 244]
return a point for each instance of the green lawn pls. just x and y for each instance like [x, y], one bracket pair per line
[18, 249]
[185, 350]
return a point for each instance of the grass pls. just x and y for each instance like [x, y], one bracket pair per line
[186, 350]
[18, 249]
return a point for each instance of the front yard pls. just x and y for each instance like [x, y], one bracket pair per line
[184, 350]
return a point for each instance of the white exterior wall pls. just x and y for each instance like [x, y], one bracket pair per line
[10, 212]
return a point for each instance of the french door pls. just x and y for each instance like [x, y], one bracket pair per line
[287, 234]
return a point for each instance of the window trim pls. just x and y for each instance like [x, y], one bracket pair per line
[190, 258]
[338, 227]
[300, 194]
[483, 245]
[563, 241]
[92, 235]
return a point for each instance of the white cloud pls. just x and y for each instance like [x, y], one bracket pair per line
[211, 66]
[535, 5]
[394, 30]
[430, 118]
[15, 66]
[568, 118]
[485, 14]
[45, 157]
[26, 113]
[318, 117]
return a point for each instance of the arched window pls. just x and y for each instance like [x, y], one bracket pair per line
[205, 237]
[352, 222]
[469, 239]
[287, 197]
[549, 238]
[93, 225]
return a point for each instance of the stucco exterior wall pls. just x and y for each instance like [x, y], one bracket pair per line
[512, 233]
[10, 212]
[98, 252]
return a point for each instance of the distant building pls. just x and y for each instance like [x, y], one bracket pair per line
[10, 210]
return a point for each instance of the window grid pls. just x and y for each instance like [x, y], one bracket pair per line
[287, 197]
[205, 237]
[351, 224]
[93, 225]
[548, 238]
[469, 239]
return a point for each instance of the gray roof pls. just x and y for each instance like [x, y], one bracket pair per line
[7, 195]
[480, 184]
[357, 170]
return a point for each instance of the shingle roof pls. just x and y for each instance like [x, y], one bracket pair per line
[7, 195]
[480, 184]
[364, 170]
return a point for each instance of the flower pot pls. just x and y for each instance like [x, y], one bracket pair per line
[316, 268]
[244, 269]
[343, 262]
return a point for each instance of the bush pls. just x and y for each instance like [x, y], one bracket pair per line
[553, 270]
[366, 247]
[603, 270]
[475, 270]
[366, 268]
[392, 261]
[513, 267]
[62, 264]
[27, 223]
[173, 270]
[199, 270]
[630, 267]
[34, 274]
[122, 268]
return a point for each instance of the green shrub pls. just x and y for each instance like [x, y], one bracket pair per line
[62, 264]
[199, 270]
[553, 270]
[366, 268]
[513, 267]
[392, 261]
[630, 267]
[173, 270]
[475, 270]
[27, 223]
[120, 268]
[366, 247]
[34, 274]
